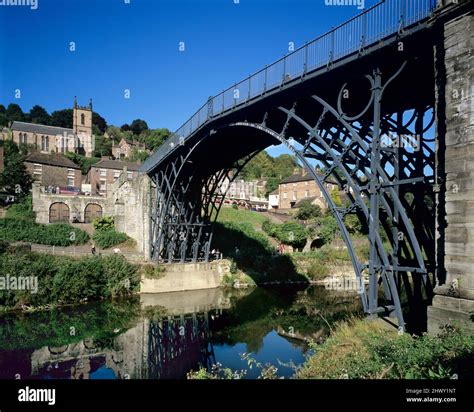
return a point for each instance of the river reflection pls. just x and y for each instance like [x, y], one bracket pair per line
[167, 335]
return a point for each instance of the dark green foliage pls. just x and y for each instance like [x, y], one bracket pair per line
[253, 253]
[103, 147]
[14, 113]
[22, 210]
[63, 280]
[307, 210]
[138, 126]
[85, 163]
[39, 115]
[99, 122]
[52, 328]
[289, 233]
[273, 169]
[103, 223]
[58, 234]
[15, 179]
[108, 238]
[62, 118]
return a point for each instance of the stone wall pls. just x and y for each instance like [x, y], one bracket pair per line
[127, 202]
[455, 87]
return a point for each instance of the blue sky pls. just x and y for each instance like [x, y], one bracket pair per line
[135, 46]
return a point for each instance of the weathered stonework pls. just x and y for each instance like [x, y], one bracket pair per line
[127, 201]
[455, 298]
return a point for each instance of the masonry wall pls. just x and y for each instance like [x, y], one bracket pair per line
[454, 300]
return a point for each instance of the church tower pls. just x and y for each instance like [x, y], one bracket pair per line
[82, 126]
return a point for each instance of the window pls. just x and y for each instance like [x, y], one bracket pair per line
[116, 174]
[285, 195]
[83, 119]
[129, 175]
[306, 183]
[294, 195]
[283, 185]
[37, 170]
[103, 172]
[294, 184]
[23, 138]
[70, 177]
[103, 185]
[306, 193]
[44, 143]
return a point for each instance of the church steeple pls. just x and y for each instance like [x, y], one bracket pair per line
[90, 103]
[75, 102]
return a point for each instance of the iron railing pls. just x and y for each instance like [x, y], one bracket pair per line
[363, 30]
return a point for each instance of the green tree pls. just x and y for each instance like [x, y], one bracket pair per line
[154, 138]
[125, 127]
[15, 179]
[39, 115]
[335, 196]
[138, 126]
[3, 120]
[103, 146]
[2, 109]
[14, 113]
[99, 121]
[138, 155]
[308, 210]
[62, 118]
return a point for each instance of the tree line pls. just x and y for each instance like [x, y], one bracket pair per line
[136, 132]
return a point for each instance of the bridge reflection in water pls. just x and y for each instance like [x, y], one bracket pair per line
[165, 336]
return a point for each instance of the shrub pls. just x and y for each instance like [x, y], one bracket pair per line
[317, 270]
[307, 210]
[22, 210]
[104, 223]
[64, 280]
[57, 234]
[108, 238]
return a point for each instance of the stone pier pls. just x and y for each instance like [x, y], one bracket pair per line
[454, 63]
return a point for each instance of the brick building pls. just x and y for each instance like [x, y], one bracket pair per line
[105, 172]
[124, 148]
[53, 170]
[298, 187]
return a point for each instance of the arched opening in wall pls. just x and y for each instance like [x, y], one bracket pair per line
[59, 213]
[91, 212]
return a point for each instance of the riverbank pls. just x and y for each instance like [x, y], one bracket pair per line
[362, 349]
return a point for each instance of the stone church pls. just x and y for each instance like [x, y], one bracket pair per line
[52, 139]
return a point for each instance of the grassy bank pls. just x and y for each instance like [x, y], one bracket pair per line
[368, 350]
[64, 280]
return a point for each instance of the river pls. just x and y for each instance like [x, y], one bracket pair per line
[168, 335]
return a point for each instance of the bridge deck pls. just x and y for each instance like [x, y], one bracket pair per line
[353, 39]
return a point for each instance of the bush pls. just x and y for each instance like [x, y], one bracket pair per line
[307, 210]
[22, 210]
[367, 350]
[64, 280]
[57, 234]
[108, 238]
[290, 233]
[104, 223]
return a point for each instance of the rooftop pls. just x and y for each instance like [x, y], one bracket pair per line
[40, 128]
[51, 160]
[116, 164]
